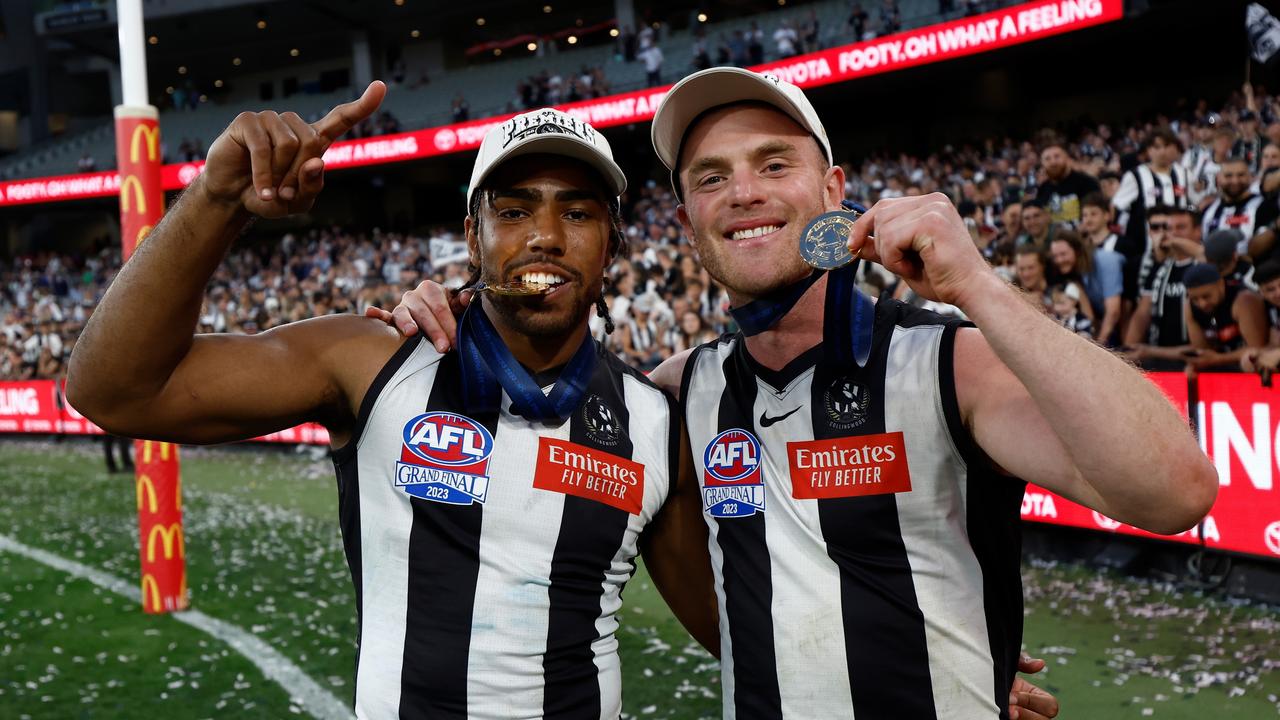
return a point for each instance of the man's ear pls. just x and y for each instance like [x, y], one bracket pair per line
[682, 214]
[833, 187]
[473, 241]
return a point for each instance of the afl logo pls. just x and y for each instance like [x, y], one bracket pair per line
[733, 456]
[445, 459]
[733, 486]
[447, 440]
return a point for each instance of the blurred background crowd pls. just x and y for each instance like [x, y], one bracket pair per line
[1158, 240]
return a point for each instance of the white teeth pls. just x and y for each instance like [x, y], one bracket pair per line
[541, 278]
[754, 232]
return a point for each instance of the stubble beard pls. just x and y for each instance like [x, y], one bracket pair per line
[756, 278]
[527, 316]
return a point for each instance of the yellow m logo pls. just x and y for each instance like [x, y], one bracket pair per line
[139, 196]
[164, 450]
[149, 583]
[169, 536]
[147, 490]
[152, 136]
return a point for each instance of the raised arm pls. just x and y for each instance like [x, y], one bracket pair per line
[1045, 404]
[139, 369]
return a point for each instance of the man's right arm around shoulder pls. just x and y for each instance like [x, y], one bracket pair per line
[140, 370]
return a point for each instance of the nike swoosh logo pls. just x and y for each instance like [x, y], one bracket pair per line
[766, 421]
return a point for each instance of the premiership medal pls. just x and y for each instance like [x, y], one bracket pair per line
[515, 288]
[825, 242]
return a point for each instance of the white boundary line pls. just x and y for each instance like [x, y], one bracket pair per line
[317, 701]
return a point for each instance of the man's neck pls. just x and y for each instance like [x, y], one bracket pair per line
[797, 331]
[1162, 169]
[1100, 235]
[537, 352]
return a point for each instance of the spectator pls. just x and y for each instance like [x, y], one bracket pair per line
[1011, 222]
[1221, 249]
[1159, 181]
[1101, 276]
[1238, 207]
[1223, 321]
[1201, 152]
[1030, 267]
[1063, 187]
[1037, 226]
[810, 33]
[691, 332]
[1110, 182]
[1204, 174]
[785, 39]
[1267, 276]
[724, 53]
[1095, 223]
[461, 110]
[890, 18]
[701, 55]
[651, 56]
[86, 163]
[641, 335]
[110, 445]
[1249, 144]
[857, 22]
[755, 44]
[738, 54]
[1157, 332]
[627, 44]
[1066, 309]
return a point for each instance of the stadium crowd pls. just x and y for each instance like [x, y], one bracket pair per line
[1158, 240]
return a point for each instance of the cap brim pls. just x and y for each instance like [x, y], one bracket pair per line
[564, 146]
[709, 89]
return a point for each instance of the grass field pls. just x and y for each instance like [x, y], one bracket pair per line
[264, 553]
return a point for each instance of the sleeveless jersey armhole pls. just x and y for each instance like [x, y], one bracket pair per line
[345, 453]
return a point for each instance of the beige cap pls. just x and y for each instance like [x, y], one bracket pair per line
[708, 89]
[545, 131]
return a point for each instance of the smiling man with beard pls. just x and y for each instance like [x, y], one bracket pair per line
[492, 501]
[848, 593]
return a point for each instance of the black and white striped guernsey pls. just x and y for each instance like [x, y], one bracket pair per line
[866, 555]
[489, 552]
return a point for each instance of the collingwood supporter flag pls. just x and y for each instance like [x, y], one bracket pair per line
[1264, 32]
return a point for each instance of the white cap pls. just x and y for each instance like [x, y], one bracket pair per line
[708, 89]
[545, 131]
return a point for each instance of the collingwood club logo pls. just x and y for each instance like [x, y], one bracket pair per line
[602, 425]
[846, 403]
[542, 123]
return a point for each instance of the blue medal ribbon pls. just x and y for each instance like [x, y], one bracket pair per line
[488, 365]
[850, 315]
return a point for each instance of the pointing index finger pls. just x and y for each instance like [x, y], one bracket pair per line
[345, 116]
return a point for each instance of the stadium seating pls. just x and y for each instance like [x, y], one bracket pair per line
[488, 88]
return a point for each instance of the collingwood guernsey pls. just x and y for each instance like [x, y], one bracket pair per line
[488, 551]
[866, 554]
